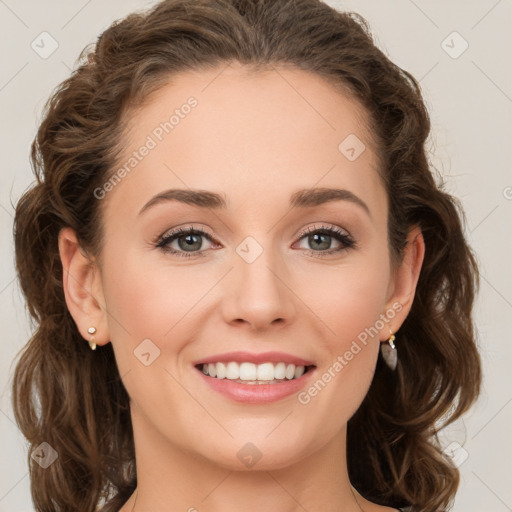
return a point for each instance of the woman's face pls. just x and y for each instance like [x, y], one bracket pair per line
[260, 280]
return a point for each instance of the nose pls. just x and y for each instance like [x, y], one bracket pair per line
[258, 294]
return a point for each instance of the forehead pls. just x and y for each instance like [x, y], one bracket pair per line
[240, 130]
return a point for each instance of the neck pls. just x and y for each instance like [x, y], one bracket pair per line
[171, 478]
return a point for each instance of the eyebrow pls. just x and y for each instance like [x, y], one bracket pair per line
[300, 199]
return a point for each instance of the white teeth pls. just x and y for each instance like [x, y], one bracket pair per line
[221, 370]
[247, 371]
[233, 371]
[280, 371]
[299, 371]
[252, 373]
[266, 372]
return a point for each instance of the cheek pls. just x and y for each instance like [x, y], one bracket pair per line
[149, 302]
[157, 301]
[153, 300]
[350, 314]
[350, 300]
[151, 320]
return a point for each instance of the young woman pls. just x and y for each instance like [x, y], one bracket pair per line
[234, 209]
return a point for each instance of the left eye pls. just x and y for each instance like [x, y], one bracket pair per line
[189, 241]
[324, 236]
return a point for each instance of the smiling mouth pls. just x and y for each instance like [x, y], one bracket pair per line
[251, 373]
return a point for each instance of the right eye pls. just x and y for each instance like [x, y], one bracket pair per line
[189, 242]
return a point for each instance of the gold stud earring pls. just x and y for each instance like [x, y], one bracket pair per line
[92, 331]
[389, 353]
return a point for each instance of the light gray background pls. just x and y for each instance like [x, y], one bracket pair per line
[470, 100]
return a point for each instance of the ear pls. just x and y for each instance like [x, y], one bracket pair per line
[403, 284]
[81, 281]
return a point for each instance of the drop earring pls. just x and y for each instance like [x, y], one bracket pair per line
[389, 353]
[92, 331]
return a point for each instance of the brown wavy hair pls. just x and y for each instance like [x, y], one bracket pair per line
[72, 398]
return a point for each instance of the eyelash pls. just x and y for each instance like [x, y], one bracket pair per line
[346, 240]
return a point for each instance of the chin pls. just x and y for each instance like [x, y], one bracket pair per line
[260, 454]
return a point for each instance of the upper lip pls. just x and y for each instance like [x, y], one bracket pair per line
[264, 357]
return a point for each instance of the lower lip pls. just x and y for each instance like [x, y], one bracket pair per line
[257, 393]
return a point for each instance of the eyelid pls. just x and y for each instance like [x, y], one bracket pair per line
[184, 230]
[325, 227]
[301, 234]
[163, 241]
[339, 234]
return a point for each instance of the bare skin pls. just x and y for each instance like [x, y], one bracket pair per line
[254, 138]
